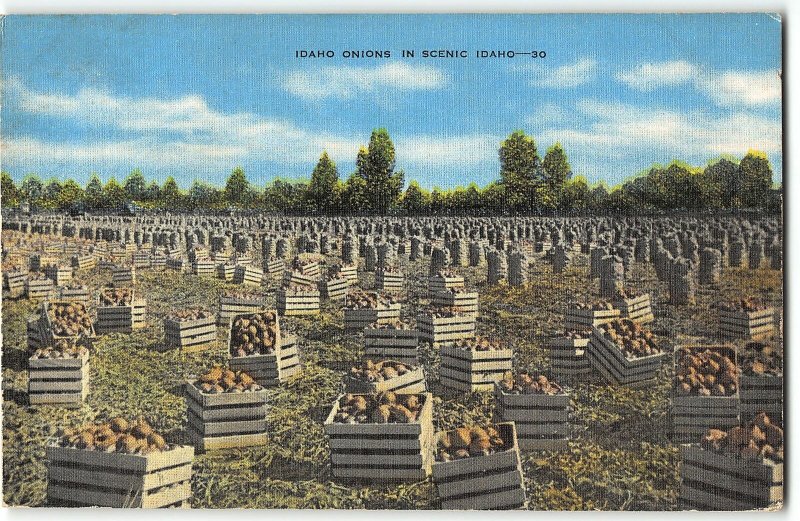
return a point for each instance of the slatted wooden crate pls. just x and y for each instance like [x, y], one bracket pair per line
[724, 481]
[225, 271]
[123, 275]
[752, 325]
[111, 479]
[121, 319]
[437, 283]
[350, 272]
[230, 306]
[74, 294]
[272, 369]
[459, 300]
[445, 330]
[607, 359]
[358, 319]
[693, 415]
[389, 343]
[198, 254]
[248, 275]
[482, 482]
[296, 277]
[15, 282]
[226, 420]
[333, 289]
[412, 382]
[586, 318]
[37, 262]
[469, 370]
[389, 281]
[568, 356]
[35, 334]
[60, 275]
[382, 452]
[59, 382]
[190, 335]
[243, 259]
[158, 262]
[39, 289]
[311, 269]
[761, 393]
[141, 259]
[297, 304]
[275, 268]
[46, 325]
[541, 420]
[176, 264]
[221, 257]
[204, 268]
[637, 309]
[84, 262]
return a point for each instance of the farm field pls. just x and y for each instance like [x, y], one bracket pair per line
[619, 455]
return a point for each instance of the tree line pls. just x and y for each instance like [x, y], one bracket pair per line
[527, 184]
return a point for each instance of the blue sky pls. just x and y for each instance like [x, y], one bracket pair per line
[195, 96]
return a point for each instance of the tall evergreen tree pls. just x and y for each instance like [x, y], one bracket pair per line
[323, 190]
[520, 170]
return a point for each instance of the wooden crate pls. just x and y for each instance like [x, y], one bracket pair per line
[473, 371]
[226, 420]
[141, 259]
[190, 335]
[445, 330]
[58, 382]
[158, 262]
[465, 302]
[81, 295]
[176, 264]
[482, 482]
[46, 325]
[270, 370]
[393, 344]
[389, 282]
[608, 360]
[110, 479]
[204, 268]
[755, 325]
[637, 309]
[15, 282]
[60, 275]
[84, 262]
[724, 481]
[39, 289]
[35, 334]
[568, 356]
[124, 275]
[350, 272]
[275, 268]
[310, 269]
[441, 284]
[230, 306]
[358, 319]
[762, 393]
[382, 452]
[541, 420]
[248, 275]
[413, 382]
[587, 318]
[121, 319]
[289, 304]
[225, 271]
[333, 289]
[296, 277]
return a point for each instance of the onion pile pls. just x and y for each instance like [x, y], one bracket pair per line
[745, 305]
[598, 305]
[254, 334]
[757, 439]
[118, 435]
[628, 293]
[372, 372]
[524, 383]
[184, 315]
[69, 319]
[394, 324]
[761, 359]
[360, 299]
[706, 372]
[294, 288]
[466, 442]
[386, 407]
[116, 297]
[478, 343]
[61, 348]
[218, 380]
[633, 340]
[574, 334]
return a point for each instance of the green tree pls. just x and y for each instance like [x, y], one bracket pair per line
[724, 184]
[71, 194]
[493, 199]
[8, 190]
[375, 166]
[113, 194]
[575, 196]
[598, 196]
[556, 171]
[415, 200]
[354, 194]
[323, 190]
[237, 189]
[94, 192]
[135, 186]
[31, 189]
[50, 193]
[204, 196]
[756, 180]
[152, 194]
[520, 170]
[171, 196]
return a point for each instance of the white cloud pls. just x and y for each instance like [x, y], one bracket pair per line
[547, 114]
[458, 149]
[348, 81]
[727, 88]
[566, 76]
